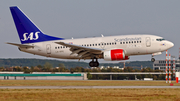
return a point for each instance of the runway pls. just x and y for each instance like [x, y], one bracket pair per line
[84, 87]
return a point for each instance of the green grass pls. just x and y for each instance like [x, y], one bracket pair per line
[83, 83]
[89, 94]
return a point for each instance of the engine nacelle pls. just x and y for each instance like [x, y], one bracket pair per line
[115, 54]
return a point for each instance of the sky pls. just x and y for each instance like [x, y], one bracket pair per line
[89, 18]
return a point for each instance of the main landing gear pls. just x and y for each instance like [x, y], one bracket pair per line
[94, 63]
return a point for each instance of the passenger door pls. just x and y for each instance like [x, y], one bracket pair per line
[48, 49]
[148, 41]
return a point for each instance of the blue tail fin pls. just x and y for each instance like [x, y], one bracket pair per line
[28, 32]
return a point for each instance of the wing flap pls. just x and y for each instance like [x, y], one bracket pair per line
[80, 47]
[82, 51]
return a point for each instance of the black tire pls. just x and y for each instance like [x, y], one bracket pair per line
[153, 59]
[96, 64]
[91, 64]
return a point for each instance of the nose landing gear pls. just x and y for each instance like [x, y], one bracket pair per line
[94, 63]
[152, 59]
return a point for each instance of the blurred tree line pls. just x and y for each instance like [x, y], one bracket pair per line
[47, 67]
[69, 64]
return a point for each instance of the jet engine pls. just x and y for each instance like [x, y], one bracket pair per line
[115, 54]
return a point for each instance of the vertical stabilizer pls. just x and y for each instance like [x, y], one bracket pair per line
[27, 30]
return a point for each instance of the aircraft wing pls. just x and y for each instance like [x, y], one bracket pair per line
[83, 52]
[20, 45]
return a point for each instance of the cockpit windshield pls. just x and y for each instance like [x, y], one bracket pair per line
[160, 39]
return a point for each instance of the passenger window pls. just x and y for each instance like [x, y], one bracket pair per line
[137, 41]
[134, 41]
[112, 43]
[115, 43]
[126, 42]
[120, 42]
[90, 45]
[123, 42]
[129, 42]
[107, 43]
[96, 44]
[99, 44]
[104, 43]
[87, 45]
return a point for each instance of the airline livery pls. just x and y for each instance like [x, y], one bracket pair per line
[111, 48]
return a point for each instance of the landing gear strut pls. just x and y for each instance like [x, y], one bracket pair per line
[94, 63]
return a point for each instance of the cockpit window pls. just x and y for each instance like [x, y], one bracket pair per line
[160, 39]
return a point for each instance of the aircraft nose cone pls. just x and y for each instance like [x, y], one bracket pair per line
[170, 44]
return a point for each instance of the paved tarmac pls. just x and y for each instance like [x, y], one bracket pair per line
[83, 87]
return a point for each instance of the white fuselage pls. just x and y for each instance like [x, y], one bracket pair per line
[131, 44]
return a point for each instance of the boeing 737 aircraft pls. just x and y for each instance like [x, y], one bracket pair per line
[111, 48]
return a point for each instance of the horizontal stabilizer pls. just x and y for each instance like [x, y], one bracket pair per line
[20, 45]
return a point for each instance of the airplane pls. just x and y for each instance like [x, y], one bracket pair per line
[109, 48]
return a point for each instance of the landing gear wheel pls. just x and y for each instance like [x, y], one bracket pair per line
[91, 64]
[152, 59]
[94, 63]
